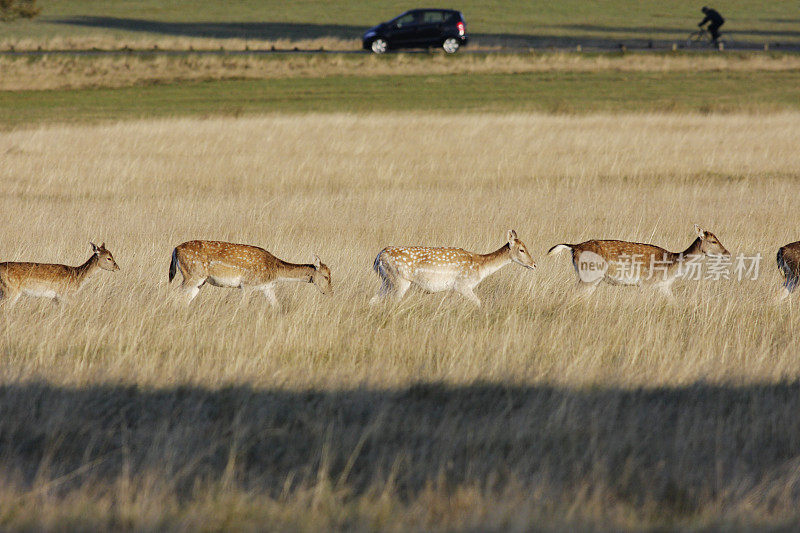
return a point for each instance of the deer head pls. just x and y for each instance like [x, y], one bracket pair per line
[709, 244]
[104, 258]
[518, 252]
[321, 277]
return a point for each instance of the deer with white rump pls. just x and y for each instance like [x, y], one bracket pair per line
[443, 269]
[633, 263]
[224, 264]
[53, 281]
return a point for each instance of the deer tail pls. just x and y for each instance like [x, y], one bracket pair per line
[559, 248]
[383, 266]
[173, 265]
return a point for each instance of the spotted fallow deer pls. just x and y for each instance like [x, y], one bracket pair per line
[223, 264]
[633, 263]
[789, 265]
[443, 269]
[56, 282]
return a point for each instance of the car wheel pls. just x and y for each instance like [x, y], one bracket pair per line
[379, 46]
[451, 45]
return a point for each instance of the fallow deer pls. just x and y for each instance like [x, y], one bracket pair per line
[443, 269]
[789, 265]
[224, 264]
[56, 282]
[633, 263]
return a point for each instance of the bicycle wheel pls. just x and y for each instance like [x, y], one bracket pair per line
[698, 38]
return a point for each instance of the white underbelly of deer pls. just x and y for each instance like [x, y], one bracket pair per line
[228, 282]
[40, 292]
[438, 280]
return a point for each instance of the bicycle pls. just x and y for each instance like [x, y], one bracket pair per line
[702, 37]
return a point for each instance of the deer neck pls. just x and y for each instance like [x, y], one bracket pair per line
[490, 263]
[86, 270]
[295, 272]
[693, 249]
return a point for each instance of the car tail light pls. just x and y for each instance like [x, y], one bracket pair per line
[461, 28]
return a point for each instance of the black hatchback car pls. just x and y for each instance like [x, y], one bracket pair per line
[419, 28]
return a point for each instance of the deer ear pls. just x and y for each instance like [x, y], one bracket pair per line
[94, 247]
[512, 235]
[700, 232]
[103, 246]
[317, 262]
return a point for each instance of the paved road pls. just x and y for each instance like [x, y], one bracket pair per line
[630, 47]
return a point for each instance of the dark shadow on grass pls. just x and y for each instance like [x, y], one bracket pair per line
[219, 30]
[673, 448]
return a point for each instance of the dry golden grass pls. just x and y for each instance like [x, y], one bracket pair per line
[58, 72]
[126, 410]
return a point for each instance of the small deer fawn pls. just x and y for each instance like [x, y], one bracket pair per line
[789, 265]
[443, 269]
[633, 263]
[56, 282]
[223, 264]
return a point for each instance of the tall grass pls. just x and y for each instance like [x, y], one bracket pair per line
[126, 409]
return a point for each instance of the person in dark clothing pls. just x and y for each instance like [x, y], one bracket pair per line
[716, 20]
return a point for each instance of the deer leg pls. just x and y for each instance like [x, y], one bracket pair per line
[585, 289]
[400, 289]
[667, 292]
[9, 299]
[787, 288]
[269, 293]
[666, 289]
[246, 292]
[467, 293]
[190, 293]
[190, 288]
[385, 289]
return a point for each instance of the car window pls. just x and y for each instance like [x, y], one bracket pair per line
[405, 20]
[432, 17]
[451, 17]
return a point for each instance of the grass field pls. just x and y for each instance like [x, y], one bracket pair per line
[55, 71]
[560, 92]
[81, 23]
[126, 410]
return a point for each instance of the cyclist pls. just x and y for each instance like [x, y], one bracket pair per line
[716, 20]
